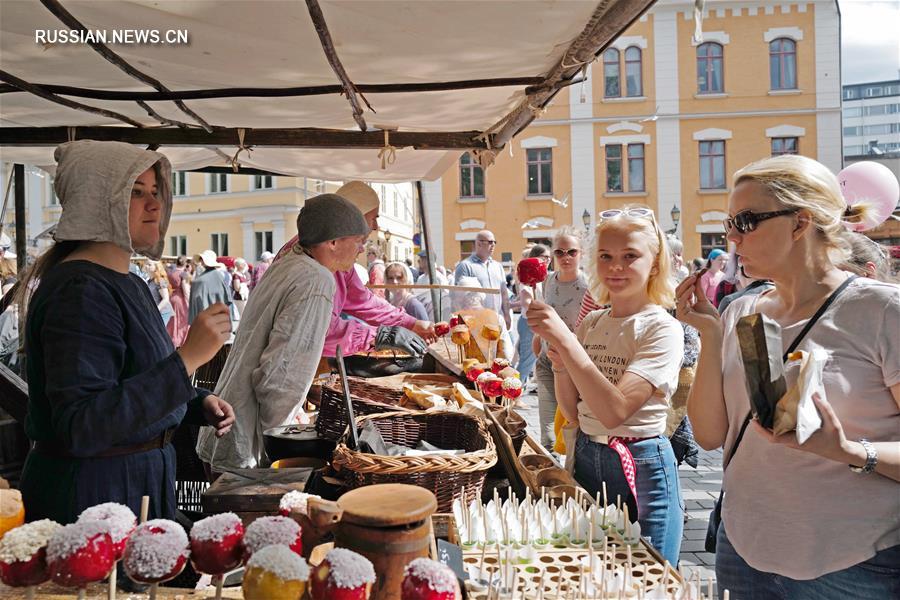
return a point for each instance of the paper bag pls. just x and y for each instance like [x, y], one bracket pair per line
[796, 409]
[759, 339]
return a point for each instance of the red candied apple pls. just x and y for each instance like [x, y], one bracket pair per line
[456, 320]
[441, 328]
[490, 385]
[217, 543]
[426, 579]
[266, 531]
[343, 575]
[80, 553]
[156, 552]
[23, 554]
[512, 388]
[119, 520]
[531, 271]
[498, 365]
[473, 372]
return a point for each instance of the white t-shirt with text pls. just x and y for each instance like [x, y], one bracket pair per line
[649, 344]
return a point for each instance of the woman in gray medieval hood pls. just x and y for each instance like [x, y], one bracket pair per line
[106, 386]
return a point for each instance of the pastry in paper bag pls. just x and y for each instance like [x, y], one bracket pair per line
[796, 409]
[759, 339]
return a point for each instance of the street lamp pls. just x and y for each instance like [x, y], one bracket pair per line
[586, 219]
[676, 217]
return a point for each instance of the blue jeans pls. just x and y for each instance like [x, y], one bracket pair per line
[660, 508]
[526, 356]
[878, 577]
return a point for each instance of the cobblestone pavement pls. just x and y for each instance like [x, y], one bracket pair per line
[699, 487]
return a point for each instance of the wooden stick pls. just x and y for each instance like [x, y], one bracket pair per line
[145, 508]
[152, 591]
[82, 593]
[726, 595]
[666, 577]
[709, 588]
[627, 524]
[605, 501]
[318, 19]
[113, 576]
[430, 286]
[220, 582]
[541, 586]
[41, 93]
[29, 592]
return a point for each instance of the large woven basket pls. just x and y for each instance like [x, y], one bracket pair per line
[444, 475]
[367, 399]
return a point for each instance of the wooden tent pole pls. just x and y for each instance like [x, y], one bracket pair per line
[436, 307]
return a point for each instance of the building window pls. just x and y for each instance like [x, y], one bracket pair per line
[471, 178]
[850, 94]
[219, 243]
[633, 85]
[635, 167]
[783, 64]
[263, 182]
[612, 70]
[712, 165]
[178, 245]
[614, 168]
[785, 145]
[396, 207]
[466, 247]
[711, 241]
[218, 183]
[540, 171]
[263, 242]
[611, 85]
[615, 176]
[179, 183]
[710, 76]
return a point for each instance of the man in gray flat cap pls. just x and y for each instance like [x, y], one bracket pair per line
[282, 333]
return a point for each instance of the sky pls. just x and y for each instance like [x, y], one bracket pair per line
[870, 40]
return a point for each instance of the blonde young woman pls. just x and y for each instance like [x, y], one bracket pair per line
[616, 374]
[397, 273]
[564, 290]
[817, 520]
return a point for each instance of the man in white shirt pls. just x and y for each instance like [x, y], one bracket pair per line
[489, 274]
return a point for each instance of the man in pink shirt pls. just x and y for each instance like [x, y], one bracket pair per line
[376, 324]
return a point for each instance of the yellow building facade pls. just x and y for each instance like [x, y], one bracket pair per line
[663, 120]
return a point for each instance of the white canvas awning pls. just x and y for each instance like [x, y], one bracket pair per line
[533, 46]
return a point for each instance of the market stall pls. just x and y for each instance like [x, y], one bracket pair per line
[184, 106]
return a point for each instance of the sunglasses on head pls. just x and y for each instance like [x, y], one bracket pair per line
[747, 220]
[612, 213]
[571, 252]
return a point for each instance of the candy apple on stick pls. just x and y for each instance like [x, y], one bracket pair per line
[23, 555]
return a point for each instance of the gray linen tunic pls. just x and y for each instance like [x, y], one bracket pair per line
[274, 359]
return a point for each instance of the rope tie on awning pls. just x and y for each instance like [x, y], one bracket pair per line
[536, 111]
[71, 133]
[388, 154]
[235, 165]
[578, 63]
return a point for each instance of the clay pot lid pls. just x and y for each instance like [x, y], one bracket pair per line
[387, 505]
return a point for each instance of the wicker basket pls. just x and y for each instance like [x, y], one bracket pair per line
[444, 475]
[367, 399]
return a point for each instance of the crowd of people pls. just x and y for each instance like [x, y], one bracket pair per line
[620, 329]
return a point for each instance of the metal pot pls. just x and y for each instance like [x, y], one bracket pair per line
[290, 441]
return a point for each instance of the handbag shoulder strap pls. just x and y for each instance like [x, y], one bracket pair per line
[812, 321]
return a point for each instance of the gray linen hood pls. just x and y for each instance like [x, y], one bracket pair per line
[94, 182]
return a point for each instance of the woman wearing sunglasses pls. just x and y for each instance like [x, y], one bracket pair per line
[564, 291]
[616, 374]
[785, 502]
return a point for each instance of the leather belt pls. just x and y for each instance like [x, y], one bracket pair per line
[53, 448]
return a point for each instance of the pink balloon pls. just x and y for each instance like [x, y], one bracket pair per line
[870, 183]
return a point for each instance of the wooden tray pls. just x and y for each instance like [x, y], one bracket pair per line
[98, 591]
[563, 569]
[255, 494]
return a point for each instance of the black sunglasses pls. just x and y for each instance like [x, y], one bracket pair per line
[747, 220]
[571, 252]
